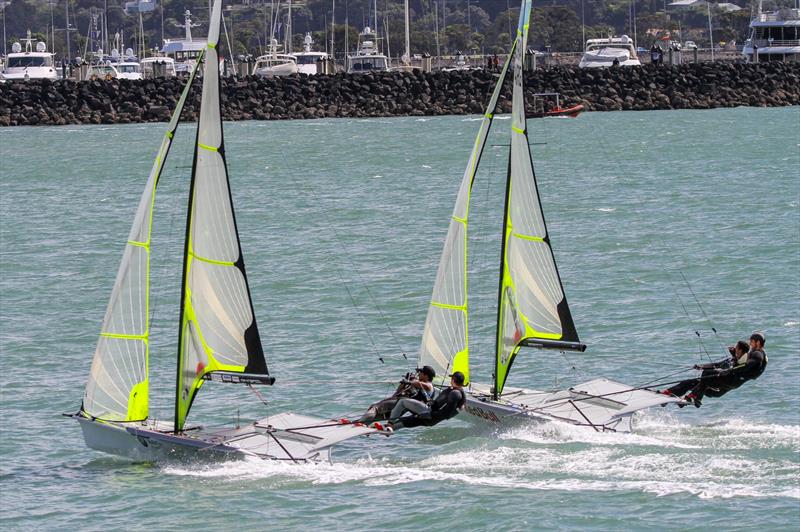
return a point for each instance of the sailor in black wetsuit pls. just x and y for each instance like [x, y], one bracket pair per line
[416, 387]
[718, 378]
[446, 405]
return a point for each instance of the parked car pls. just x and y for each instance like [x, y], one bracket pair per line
[690, 45]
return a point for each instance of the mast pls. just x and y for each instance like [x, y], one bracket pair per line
[499, 334]
[218, 338]
[532, 310]
[66, 30]
[407, 55]
[288, 48]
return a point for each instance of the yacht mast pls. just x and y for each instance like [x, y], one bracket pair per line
[288, 47]
[407, 55]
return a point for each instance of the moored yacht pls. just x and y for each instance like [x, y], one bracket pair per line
[33, 63]
[309, 61]
[127, 65]
[184, 51]
[774, 36]
[368, 57]
[613, 51]
[158, 67]
[99, 71]
[274, 63]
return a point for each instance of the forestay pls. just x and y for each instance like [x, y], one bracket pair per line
[445, 340]
[532, 308]
[117, 389]
[218, 330]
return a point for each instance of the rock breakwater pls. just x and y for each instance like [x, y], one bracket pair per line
[649, 87]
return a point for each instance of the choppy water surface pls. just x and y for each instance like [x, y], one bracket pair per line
[342, 223]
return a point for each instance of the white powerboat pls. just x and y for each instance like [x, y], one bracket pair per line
[774, 36]
[368, 57]
[31, 64]
[129, 70]
[274, 63]
[184, 51]
[127, 64]
[309, 61]
[154, 67]
[106, 71]
[613, 51]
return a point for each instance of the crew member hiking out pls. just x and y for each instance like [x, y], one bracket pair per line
[718, 378]
[446, 405]
[414, 388]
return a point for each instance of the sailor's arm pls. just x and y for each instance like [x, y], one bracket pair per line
[752, 364]
[714, 365]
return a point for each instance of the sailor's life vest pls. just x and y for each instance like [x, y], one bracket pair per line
[447, 404]
[412, 392]
[756, 371]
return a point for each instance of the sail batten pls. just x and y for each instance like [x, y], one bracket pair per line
[118, 385]
[218, 330]
[532, 307]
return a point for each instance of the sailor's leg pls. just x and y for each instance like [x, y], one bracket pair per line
[369, 416]
[683, 387]
[406, 404]
[719, 386]
[378, 410]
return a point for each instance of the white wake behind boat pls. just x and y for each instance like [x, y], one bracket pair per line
[532, 307]
[218, 337]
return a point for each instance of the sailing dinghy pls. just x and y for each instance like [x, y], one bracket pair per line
[532, 308]
[218, 338]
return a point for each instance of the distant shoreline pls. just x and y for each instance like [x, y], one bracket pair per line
[649, 87]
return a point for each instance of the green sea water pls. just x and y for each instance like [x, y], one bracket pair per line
[664, 225]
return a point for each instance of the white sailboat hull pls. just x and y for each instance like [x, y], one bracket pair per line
[602, 404]
[287, 436]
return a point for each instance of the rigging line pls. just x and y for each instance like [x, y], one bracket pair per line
[619, 392]
[364, 284]
[361, 317]
[230, 48]
[259, 395]
[683, 370]
[337, 381]
[577, 90]
[697, 301]
[683, 306]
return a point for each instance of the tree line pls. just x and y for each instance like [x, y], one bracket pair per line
[437, 26]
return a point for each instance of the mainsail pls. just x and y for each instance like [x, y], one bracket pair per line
[117, 389]
[218, 331]
[532, 309]
[445, 340]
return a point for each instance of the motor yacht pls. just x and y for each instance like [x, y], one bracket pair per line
[106, 71]
[368, 57]
[613, 51]
[158, 67]
[127, 65]
[774, 36]
[309, 61]
[33, 63]
[274, 63]
[184, 51]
